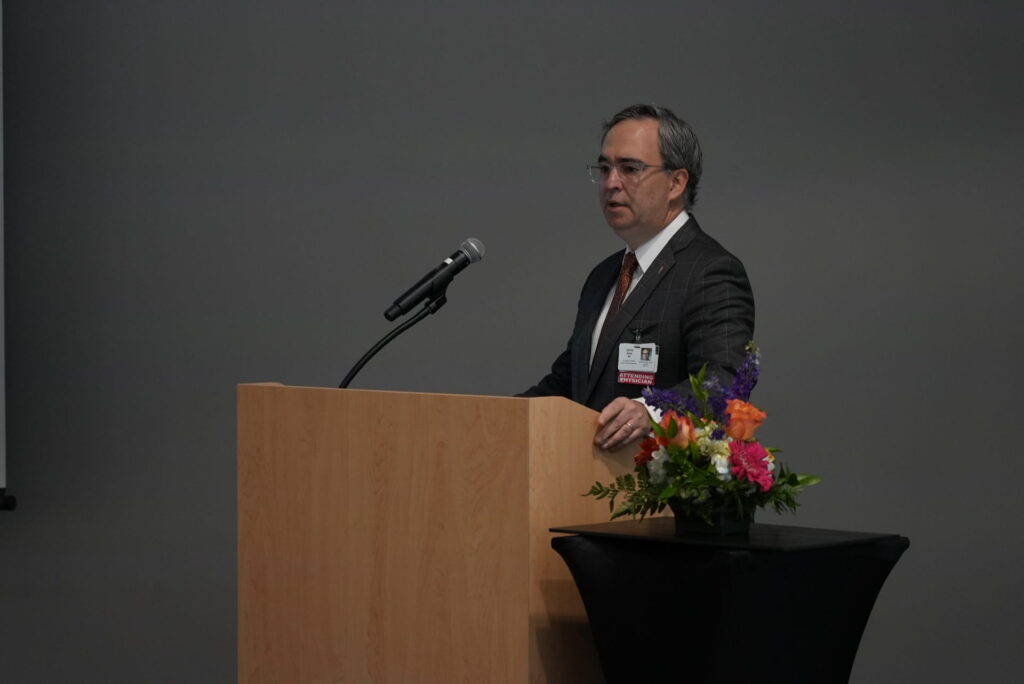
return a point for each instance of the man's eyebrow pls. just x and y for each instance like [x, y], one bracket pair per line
[603, 158]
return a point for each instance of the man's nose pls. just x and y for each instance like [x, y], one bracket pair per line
[613, 181]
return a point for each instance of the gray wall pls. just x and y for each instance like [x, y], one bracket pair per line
[206, 193]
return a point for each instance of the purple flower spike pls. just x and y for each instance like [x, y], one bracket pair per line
[713, 385]
[716, 405]
[666, 400]
[746, 375]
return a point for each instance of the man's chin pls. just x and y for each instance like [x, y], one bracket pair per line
[618, 222]
[631, 233]
[627, 234]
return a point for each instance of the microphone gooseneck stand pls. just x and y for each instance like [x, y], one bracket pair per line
[431, 307]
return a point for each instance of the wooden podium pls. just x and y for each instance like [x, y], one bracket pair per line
[402, 537]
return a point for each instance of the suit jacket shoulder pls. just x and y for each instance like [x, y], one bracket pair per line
[695, 302]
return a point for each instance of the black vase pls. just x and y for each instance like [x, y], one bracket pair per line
[723, 520]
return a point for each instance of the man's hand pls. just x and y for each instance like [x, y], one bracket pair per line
[621, 422]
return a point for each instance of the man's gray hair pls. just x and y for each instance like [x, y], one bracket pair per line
[676, 140]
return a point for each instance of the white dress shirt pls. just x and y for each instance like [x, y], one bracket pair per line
[645, 255]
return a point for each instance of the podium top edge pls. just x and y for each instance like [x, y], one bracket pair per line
[278, 385]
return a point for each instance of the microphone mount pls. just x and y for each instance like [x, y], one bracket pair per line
[434, 302]
[431, 289]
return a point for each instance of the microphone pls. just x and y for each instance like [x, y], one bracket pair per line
[434, 283]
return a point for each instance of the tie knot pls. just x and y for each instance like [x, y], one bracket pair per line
[629, 263]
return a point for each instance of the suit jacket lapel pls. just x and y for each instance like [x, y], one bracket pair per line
[590, 310]
[661, 265]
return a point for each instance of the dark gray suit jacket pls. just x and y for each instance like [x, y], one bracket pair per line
[694, 301]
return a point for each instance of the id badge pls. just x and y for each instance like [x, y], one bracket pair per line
[638, 363]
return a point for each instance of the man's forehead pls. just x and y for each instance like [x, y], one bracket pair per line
[631, 139]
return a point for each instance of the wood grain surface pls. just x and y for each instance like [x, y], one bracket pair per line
[403, 537]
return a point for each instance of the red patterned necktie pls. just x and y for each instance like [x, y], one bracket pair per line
[625, 278]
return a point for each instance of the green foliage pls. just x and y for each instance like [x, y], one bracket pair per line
[692, 486]
[637, 501]
[684, 471]
[700, 392]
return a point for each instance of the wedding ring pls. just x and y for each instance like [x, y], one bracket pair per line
[628, 425]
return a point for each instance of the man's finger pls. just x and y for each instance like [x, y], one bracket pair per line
[620, 431]
[611, 424]
[621, 438]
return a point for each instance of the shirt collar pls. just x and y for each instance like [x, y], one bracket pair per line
[646, 253]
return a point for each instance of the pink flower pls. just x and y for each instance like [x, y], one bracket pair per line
[749, 461]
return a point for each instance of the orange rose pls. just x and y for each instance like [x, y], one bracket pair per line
[744, 418]
[684, 427]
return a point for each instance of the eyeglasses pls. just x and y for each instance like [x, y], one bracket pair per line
[629, 171]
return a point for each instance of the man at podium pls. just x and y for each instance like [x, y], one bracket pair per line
[671, 301]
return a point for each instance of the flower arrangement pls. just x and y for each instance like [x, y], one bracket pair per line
[703, 456]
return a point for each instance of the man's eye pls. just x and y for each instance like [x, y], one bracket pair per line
[605, 169]
[630, 168]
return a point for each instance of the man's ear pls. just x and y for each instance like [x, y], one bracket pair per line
[680, 179]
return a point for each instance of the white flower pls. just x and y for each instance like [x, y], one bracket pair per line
[720, 463]
[656, 466]
[702, 435]
[717, 450]
[719, 447]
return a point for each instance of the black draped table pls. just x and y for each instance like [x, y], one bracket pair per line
[781, 604]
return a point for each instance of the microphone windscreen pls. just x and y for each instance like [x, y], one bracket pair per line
[473, 248]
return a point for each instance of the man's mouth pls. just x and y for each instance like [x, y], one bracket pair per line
[611, 204]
